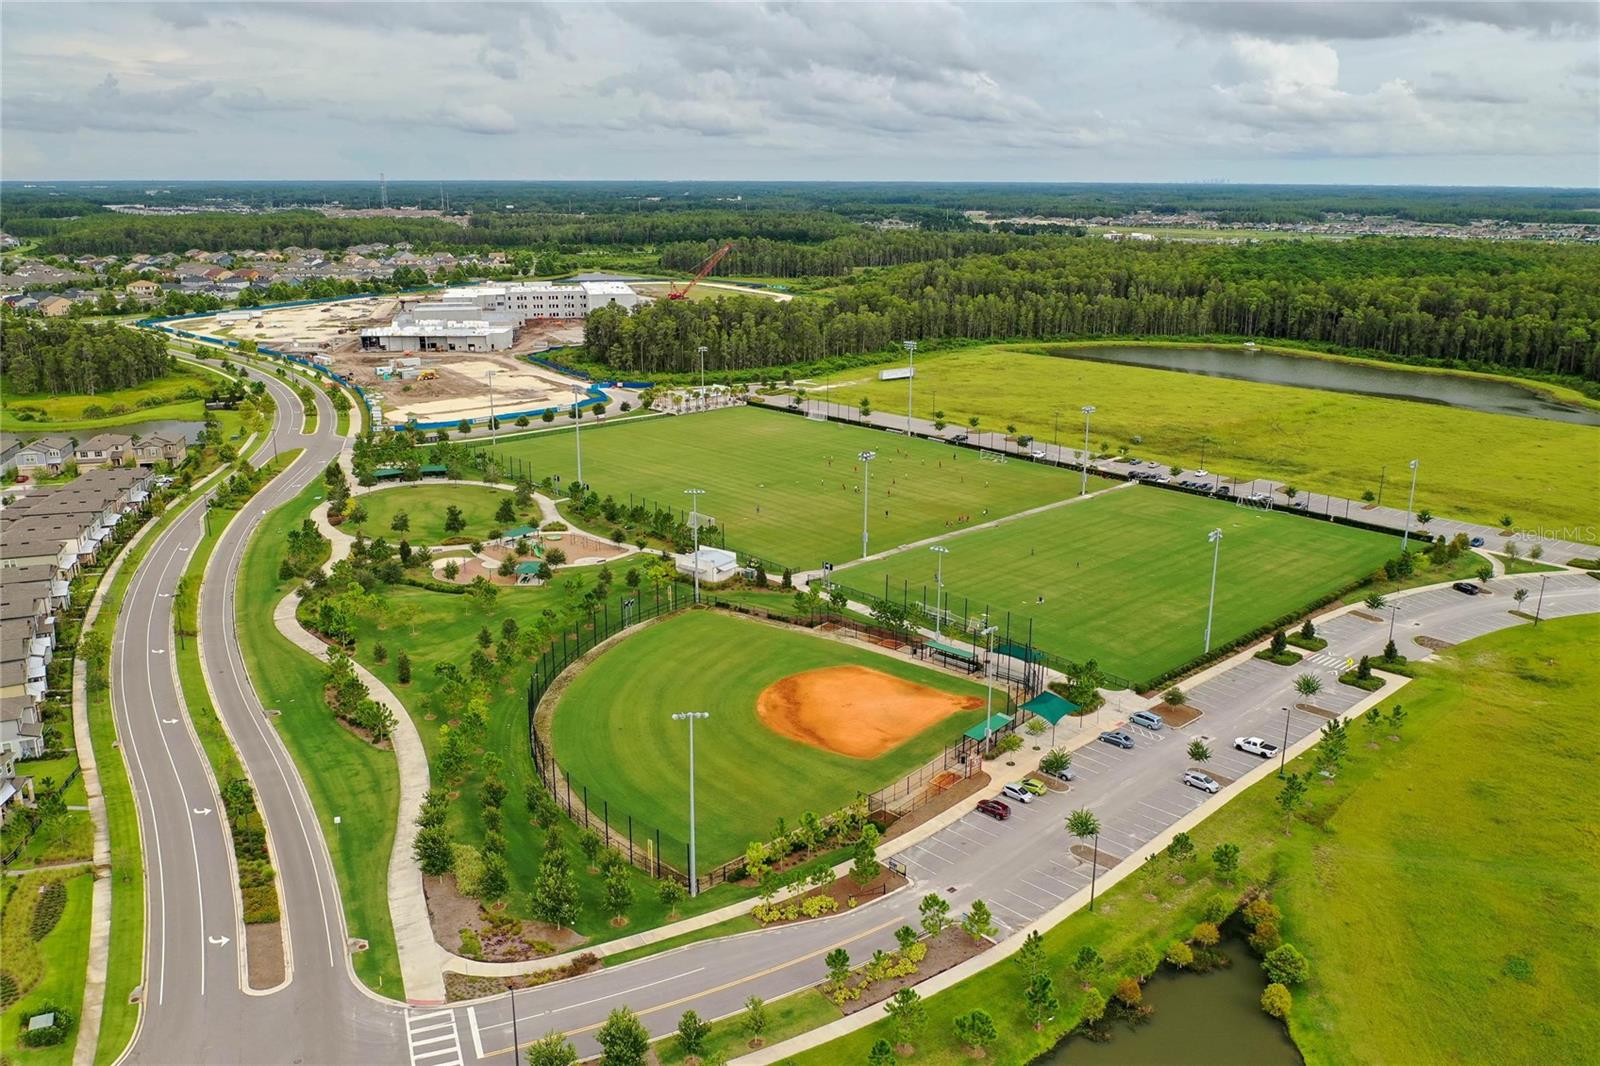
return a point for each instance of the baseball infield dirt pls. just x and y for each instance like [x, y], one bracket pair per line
[854, 710]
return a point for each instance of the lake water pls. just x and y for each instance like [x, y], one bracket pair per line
[1199, 1019]
[1367, 379]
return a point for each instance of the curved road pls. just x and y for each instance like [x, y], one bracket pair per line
[198, 1012]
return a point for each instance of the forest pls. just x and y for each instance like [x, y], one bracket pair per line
[57, 356]
[1526, 308]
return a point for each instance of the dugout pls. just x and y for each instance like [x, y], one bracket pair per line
[953, 655]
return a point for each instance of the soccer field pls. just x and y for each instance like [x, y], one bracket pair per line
[789, 490]
[613, 731]
[1125, 576]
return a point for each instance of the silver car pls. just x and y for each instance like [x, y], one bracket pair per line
[1147, 720]
[1018, 793]
[1203, 781]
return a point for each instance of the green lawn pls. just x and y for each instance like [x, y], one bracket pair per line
[445, 630]
[787, 489]
[1126, 576]
[1411, 882]
[156, 399]
[1322, 441]
[60, 959]
[344, 775]
[424, 506]
[613, 731]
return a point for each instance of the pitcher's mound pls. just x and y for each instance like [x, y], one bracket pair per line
[854, 710]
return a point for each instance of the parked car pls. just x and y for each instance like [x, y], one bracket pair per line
[1204, 782]
[1202, 473]
[1037, 453]
[1255, 746]
[959, 438]
[1017, 792]
[994, 809]
[1298, 505]
[1147, 719]
[1117, 738]
[1064, 774]
[1034, 785]
[1466, 586]
[1223, 490]
[1476, 542]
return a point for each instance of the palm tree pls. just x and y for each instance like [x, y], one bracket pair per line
[1083, 824]
[1308, 685]
[1199, 752]
[1376, 602]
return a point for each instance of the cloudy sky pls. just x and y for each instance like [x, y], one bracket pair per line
[1434, 92]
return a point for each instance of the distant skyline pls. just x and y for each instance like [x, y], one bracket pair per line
[1436, 93]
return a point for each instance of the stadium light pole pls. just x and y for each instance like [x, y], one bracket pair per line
[1410, 500]
[866, 491]
[1215, 537]
[694, 520]
[911, 352]
[494, 423]
[938, 580]
[702, 351]
[988, 682]
[691, 717]
[1083, 489]
[577, 430]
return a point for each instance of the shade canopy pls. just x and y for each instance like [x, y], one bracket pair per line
[1050, 707]
[996, 723]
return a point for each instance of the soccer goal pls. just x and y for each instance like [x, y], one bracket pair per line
[1256, 501]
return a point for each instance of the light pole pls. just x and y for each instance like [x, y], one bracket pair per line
[694, 520]
[1283, 750]
[702, 351]
[1055, 436]
[911, 352]
[1539, 607]
[1411, 499]
[1084, 488]
[577, 431]
[866, 491]
[938, 581]
[1215, 537]
[988, 682]
[494, 423]
[691, 717]
[1394, 606]
[516, 1038]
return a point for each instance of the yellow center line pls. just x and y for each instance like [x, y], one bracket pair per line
[712, 991]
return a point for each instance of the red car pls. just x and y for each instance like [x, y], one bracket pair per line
[994, 809]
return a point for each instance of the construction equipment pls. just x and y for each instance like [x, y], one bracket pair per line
[428, 374]
[674, 293]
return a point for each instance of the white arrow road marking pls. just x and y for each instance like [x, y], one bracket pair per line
[158, 651]
[202, 810]
[169, 721]
[216, 941]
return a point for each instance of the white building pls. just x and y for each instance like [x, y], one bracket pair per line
[484, 318]
[408, 334]
[546, 299]
[715, 564]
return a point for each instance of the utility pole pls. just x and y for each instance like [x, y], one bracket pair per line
[866, 491]
[691, 717]
[1083, 489]
[1215, 537]
[694, 520]
[1410, 500]
[702, 351]
[911, 351]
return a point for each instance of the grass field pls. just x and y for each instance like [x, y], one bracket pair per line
[1395, 882]
[786, 489]
[59, 960]
[1125, 576]
[1321, 441]
[343, 774]
[613, 731]
[425, 505]
[61, 413]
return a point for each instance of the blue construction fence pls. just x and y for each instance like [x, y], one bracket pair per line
[584, 375]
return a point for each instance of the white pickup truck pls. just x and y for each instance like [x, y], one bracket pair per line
[1256, 746]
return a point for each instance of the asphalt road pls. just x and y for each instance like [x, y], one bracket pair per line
[197, 1010]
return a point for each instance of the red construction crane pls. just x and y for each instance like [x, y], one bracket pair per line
[700, 272]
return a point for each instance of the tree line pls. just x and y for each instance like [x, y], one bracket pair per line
[42, 355]
[1528, 308]
[760, 256]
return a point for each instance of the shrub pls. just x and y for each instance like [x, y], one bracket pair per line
[1206, 935]
[51, 1035]
[1286, 966]
[1129, 993]
[1173, 696]
[1217, 909]
[1180, 955]
[47, 909]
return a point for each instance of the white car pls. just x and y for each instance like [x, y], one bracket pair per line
[1038, 453]
[1200, 473]
[1255, 746]
[1203, 781]
[1018, 793]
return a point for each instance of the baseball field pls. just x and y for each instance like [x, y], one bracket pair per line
[1124, 577]
[799, 722]
[790, 490]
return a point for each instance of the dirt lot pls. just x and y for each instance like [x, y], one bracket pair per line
[854, 710]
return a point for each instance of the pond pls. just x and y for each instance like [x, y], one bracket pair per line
[166, 426]
[1199, 1019]
[1367, 379]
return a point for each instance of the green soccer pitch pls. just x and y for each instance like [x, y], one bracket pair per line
[1125, 576]
[613, 732]
[787, 489]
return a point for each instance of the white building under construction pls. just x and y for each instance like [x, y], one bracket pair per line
[484, 318]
